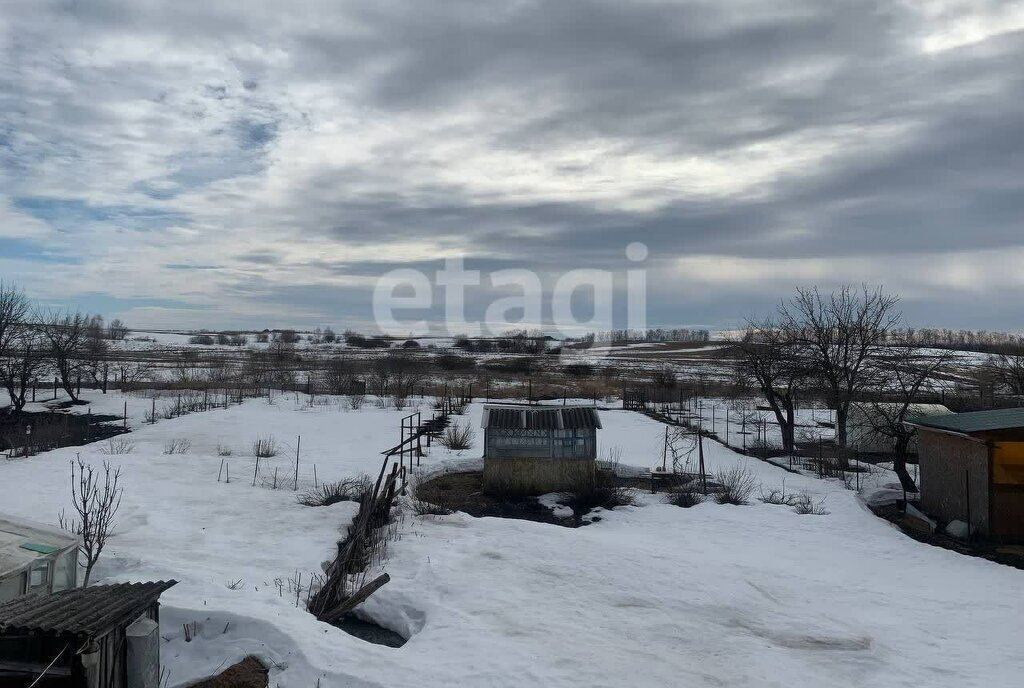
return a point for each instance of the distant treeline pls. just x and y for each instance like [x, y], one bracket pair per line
[981, 341]
[657, 334]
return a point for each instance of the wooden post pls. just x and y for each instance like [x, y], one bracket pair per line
[664, 456]
[821, 458]
[298, 446]
[703, 473]
[967, 493]
[126, 415]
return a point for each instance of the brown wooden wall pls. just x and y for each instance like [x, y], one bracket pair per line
[950, 467]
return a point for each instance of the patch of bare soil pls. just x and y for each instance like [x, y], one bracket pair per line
[464, 492]
[249, 673]
[370, 632]
[51, 429]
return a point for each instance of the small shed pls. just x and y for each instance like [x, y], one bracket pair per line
[868, 425]
[104, 635]
[538, 449]
[35, 557]
[972, 470]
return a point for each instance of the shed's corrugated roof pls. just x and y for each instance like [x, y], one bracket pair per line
[92, 611]
[977, 421]
[540, 418]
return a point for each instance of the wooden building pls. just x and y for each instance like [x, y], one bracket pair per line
[104, 635]
[972, 470]
[538, 449]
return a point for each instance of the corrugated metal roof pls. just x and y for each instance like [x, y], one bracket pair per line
[92, 611]
[977, 421]
[540, 418]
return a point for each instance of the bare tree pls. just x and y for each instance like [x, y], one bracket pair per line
[96, 505]
[397, 373]
[65, 334]
[95, 351]
[14, 310]
[24, 359]
[337, 376]
[117, 330]
[1008, 370]
[841, 333]
[776, 359]
[902, 373]
[131, 373]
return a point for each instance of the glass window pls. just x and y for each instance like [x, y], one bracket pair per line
[39, 576]
[65, 574]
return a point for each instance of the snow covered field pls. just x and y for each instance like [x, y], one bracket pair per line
[652, 595]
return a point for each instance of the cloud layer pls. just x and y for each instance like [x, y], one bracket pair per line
[223, 164]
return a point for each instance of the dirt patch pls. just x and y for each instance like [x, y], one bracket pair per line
[371, 632]
[249, 673]
[465, 492]
[53, 429]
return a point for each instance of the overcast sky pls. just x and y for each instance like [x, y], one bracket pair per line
[234, 164]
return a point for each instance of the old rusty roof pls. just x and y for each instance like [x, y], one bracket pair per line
[509, 417]
[92, 611]
[974, 422]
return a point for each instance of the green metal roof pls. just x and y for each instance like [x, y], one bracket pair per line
[977, 421]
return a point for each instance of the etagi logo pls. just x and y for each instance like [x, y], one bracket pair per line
[454, 280]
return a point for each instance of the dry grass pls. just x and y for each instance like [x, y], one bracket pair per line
[805, 504]
[686, 495]
[264, 447]
[348, 490]
[457, 437]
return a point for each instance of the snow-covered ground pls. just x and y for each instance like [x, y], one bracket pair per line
[652, 595]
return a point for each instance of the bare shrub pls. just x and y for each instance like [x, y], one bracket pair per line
[356, 401]
[95, 506]
[737, 484]
[118, 445]
[224, 451]
[600, 491]
[686, 495]
[178, 445]
[613, 454]
[457, 437]
[264, 447]
[348, 490]
[805, 504]
[779, 497]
